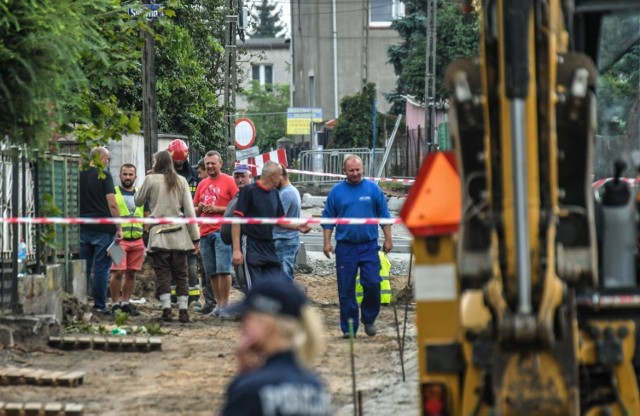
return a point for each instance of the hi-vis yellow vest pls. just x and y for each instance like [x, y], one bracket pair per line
[130, 231]
[385, 285]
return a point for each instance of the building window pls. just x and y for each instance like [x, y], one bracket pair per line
[383, 12]
[262, 73]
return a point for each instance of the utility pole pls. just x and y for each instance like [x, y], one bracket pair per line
[149, 96]
[430, 74]
[364, 70]
[230, 79]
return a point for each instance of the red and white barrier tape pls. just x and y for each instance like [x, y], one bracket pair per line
[337, 175]
[201, 220]
[600, 182]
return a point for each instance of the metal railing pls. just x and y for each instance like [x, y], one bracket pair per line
[31, 187]
[330, 161]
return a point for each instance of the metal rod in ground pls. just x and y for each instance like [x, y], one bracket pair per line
[359, 402]
[353, 367]
[400, 343]
[406, 302]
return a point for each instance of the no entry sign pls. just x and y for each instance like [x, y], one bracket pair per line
[245, 133]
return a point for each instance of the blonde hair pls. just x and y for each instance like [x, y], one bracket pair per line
[305, 334]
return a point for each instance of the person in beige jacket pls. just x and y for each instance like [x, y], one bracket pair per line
[169, 196]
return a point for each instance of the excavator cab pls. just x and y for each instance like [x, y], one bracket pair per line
[537, 280]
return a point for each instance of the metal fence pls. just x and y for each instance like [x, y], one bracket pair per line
[35, 187]
[16, 200]
[404, 157]
[330, 161]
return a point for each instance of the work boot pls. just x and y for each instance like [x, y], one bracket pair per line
[166, 315]
[130, 309]
[194, 300]
[183, 316]
[370, 329]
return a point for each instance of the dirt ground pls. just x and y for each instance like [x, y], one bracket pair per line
[190, 374]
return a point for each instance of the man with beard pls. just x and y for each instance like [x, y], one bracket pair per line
[132, 243]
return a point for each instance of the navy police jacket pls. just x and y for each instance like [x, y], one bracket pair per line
[280, 388]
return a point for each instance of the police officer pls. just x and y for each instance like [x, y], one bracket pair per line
[280, 335]
[179, 152]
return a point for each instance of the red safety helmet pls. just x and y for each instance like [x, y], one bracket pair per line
[178, 150]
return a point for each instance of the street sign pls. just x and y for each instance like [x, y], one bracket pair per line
[250, 152]
[307, 113]
[155, 11]
[299, 119]
[245, 133]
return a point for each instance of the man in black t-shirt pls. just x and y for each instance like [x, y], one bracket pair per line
[260, 200]
[97, 200]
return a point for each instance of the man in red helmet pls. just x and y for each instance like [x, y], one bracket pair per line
[179, 151]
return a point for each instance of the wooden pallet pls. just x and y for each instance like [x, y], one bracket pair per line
[41, 409]
[13, 376]
[107, 343]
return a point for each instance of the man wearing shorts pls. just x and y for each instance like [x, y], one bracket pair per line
[131, 244]
[211, 199]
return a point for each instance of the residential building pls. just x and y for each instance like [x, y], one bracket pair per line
[266, 60]
[331, 62]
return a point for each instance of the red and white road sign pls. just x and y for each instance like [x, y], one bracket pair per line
[245, 133]
[256, 163]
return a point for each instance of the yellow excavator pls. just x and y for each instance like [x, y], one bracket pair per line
[528, 302]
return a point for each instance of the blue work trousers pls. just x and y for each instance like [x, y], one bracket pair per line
[93, 249]
[349, 258]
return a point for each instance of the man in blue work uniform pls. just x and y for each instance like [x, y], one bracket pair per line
[357, 245]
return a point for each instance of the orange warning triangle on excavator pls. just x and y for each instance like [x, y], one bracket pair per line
[434, 204]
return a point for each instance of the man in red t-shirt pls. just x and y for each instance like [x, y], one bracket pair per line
[211, 200]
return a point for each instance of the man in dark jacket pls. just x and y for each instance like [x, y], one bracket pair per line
[97, 200]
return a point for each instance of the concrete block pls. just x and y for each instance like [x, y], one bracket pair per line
[78, 280]
[301, 258]
[54, 275]
[302, 264]
[30, 332]
[6, 336]
[42, 294]
[395, 203]
[313, 201]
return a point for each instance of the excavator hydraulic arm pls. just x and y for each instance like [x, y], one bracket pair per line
[511, 280]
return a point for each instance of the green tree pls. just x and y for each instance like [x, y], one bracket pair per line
[267, 18]
[189, 59]
[353, 127]
[619, 63]
[189, 67]
[274, 100]
[60, 61]
[457, 37]
[73, 66]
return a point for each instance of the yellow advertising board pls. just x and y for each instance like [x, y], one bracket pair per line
[298, 126]
[299, 119]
